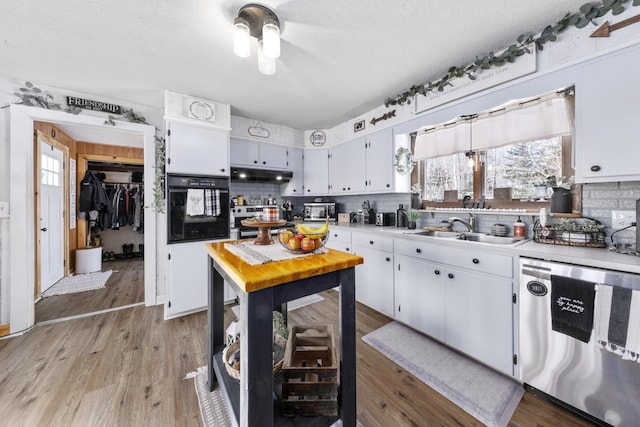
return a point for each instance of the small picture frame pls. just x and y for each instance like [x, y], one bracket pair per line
[358, 126]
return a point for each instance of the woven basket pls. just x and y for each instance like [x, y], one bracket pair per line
[234, 371]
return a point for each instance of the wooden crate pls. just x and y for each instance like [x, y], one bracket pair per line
[310, 377]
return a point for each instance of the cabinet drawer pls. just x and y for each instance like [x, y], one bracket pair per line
[339, 235]
[499, 265]
[380, 243]
[490, 263]
[421, 250]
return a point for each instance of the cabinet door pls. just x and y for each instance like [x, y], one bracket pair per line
[316, 172]
[419, 295]
[295, 164]
[478, 317]
[245, 153]
[273, 156]
[187, 278]
[374, 279]
[347, 167]
[607, 127]
[380, 158]
[197, 150]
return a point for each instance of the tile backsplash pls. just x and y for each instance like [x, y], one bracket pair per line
[598, 200]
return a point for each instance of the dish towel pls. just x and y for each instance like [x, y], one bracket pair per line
[618, 321]
[195, 202]
[211, 202]
[572, 307]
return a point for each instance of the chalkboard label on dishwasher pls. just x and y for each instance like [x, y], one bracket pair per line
[536, 288]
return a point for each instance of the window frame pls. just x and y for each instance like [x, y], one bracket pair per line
[478, 185]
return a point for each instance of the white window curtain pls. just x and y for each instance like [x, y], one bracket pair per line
[541, 117]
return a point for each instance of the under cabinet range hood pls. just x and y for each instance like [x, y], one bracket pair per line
[240, 174]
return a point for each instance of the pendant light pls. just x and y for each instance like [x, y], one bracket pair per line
[266, 64]
[241, 38]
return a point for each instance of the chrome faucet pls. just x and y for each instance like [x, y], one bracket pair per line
[469, 224]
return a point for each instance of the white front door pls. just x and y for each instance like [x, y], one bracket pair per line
[51, 215]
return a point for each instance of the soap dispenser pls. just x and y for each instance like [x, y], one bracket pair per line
[519, 228]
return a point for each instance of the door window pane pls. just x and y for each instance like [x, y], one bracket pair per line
[50, 173]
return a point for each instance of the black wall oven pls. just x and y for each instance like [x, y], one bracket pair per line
[197, 208]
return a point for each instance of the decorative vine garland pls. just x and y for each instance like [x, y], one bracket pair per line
[588, 12]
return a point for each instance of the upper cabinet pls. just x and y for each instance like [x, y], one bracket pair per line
[347, 167]
[258, 154]
[295, 186]
[607, 126]
[316, 172]
[197, 149]
[366, 165]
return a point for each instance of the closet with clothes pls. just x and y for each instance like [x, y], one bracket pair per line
[111, 200]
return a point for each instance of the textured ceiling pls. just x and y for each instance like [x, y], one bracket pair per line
[339, 58]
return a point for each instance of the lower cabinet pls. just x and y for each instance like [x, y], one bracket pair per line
[339, 240]
[419, 296]
[374, 278]
[478, 317]
[187, 278]
[469, 308]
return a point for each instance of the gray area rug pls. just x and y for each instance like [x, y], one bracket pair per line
[291, 305]
[485, 394]
[78, 283]
[213, 409]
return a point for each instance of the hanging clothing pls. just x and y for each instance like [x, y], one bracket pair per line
[93, 200]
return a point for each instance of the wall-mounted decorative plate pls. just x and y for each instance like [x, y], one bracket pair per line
[318, 138]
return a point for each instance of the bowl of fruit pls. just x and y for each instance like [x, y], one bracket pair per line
[303, 239]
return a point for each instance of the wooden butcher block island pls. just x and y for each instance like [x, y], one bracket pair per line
[260, 289]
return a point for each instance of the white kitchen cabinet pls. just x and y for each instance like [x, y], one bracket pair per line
[478, 317]
[197, 149]
[339, 240]
[374, 278]
[380, 174]
[607, 126]
[462, 297]
[316, 172]
[419, 295]
[258, 154]
[347, 166]
[295, 186]
[187, 279]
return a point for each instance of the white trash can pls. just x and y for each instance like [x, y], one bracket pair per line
[88, 260]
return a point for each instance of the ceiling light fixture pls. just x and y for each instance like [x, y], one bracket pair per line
[258, 21]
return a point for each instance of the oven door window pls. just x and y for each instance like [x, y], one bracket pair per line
[183, 227]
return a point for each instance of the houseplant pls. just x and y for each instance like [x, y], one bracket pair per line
[580, 231]
[412, 216]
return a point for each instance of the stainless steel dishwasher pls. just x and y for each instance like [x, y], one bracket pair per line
[585, 377]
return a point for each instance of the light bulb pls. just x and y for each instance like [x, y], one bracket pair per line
[271, 38]
[472, 162]
[241, 38]
[266, 65]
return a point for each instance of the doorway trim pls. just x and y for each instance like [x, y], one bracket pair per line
[40, 136]
[21, 231]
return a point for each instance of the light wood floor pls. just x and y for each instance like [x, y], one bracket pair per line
[124, 287]
[127, 368]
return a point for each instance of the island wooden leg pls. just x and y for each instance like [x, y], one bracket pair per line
[256, 361]
[347, 347]
[215, 319]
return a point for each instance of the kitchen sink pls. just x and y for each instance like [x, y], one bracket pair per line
[432, 233]
[487, 238]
